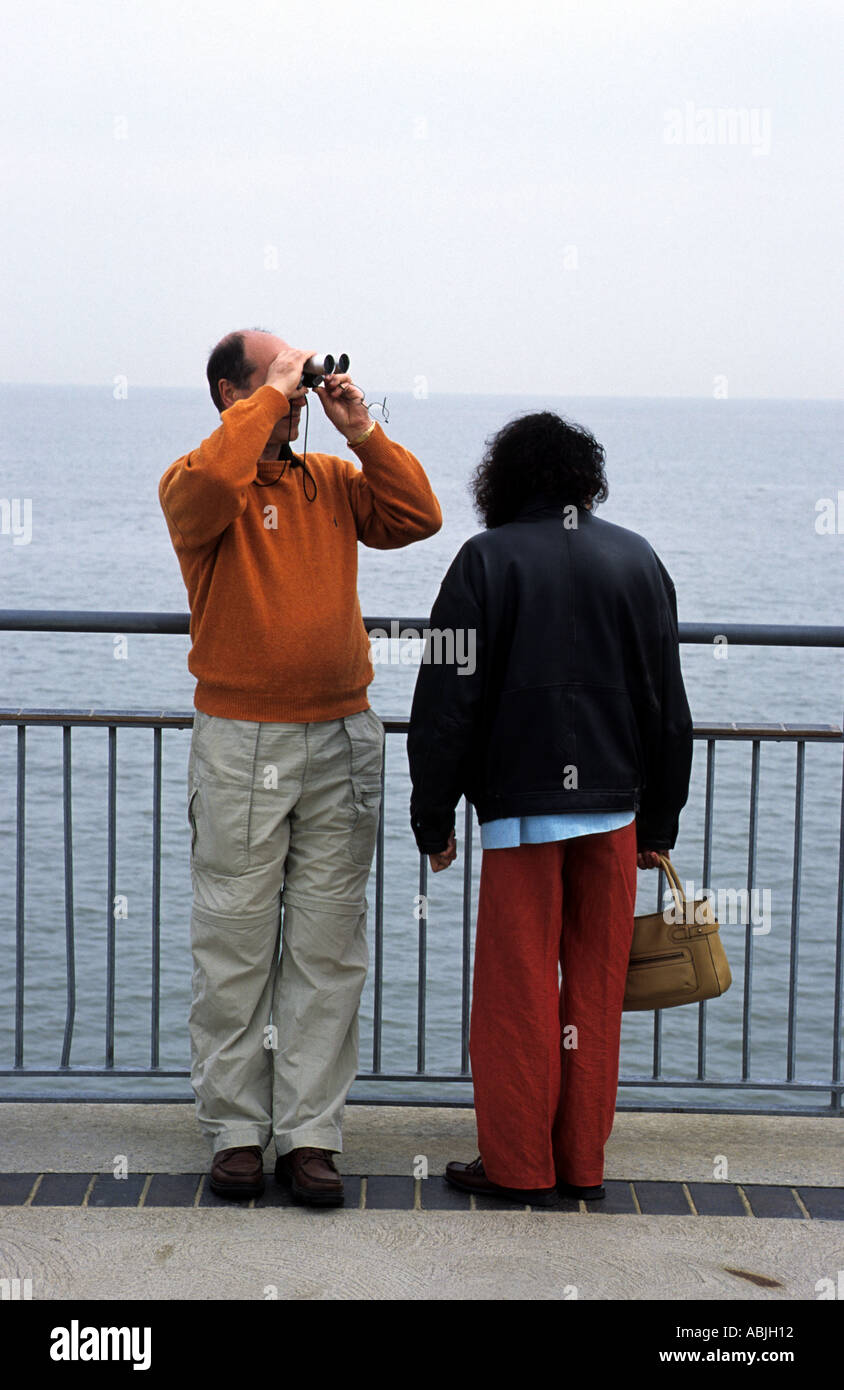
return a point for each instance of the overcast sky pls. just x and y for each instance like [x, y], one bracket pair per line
[632, 198]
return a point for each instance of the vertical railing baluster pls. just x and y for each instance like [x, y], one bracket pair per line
[748, 934]
[707, 874]
[466, 997]
[657, 1042]
[422, 964]
[708, 815]
[795, 909]
[155, 1015]
[20, 892]
[111, 972]
[657, 1047]
[378, 991]
[836, 1097]
[70, 947]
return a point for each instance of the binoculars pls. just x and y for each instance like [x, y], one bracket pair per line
[320, 365]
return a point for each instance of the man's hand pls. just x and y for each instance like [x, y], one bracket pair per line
[445, 857]
[649, 858]
[285, 371]
[341, 401]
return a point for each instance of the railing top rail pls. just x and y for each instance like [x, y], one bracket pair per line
[81, 620]
[183, 719]
[140, 718]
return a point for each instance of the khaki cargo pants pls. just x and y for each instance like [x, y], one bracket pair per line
[283, 826]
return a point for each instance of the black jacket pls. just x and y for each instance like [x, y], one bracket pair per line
[576, 702]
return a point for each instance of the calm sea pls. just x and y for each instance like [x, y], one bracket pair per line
[726, 491]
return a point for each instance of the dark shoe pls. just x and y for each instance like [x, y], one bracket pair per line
[311, 1175]
[588, 1194]
[470, 1177]
[238, 1172]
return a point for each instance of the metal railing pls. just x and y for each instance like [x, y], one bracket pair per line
[425, 1083]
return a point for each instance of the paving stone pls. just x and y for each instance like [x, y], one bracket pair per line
[62, 1190]
[498, 1204]
[211, 1199]
[618, 1201]
[109, 1191]
[561, 1204]
[395, 1192]
[280, 1195]
[823, 1203]
[662, 1199]
[172, 1190]
[766, 1200]
[275, 1194]
[15, 1188]
[717, 1199]
[389, 1192]
[351, 1188]
[439, 1195]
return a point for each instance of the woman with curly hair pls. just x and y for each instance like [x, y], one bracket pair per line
[572, 738]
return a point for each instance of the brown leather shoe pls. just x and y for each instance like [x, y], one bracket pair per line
[470, 1177]
[238, 1172]
[311, 1175]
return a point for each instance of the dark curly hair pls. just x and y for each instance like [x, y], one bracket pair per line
[534, 456]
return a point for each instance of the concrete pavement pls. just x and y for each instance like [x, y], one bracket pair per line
[231, 1252]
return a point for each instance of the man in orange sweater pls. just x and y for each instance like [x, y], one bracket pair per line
[284, 777]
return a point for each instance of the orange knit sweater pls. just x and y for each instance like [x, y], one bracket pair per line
[276, 625]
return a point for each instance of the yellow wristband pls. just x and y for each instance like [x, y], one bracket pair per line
[362, 438]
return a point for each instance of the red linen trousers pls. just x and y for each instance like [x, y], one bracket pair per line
[545, 1055]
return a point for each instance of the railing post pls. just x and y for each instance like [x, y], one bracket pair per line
[111, 964]
[378, 987]
[156, 899]
[795, 910]
[20, 893]
[422, 966]
[748, 935]
[707, 872]
[838, 1006]
[70, 950]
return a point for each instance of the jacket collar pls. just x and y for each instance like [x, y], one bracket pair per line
[542, 504]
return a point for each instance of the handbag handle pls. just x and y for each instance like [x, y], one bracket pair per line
[675, 885]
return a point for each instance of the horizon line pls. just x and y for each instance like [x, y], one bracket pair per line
[496, 395]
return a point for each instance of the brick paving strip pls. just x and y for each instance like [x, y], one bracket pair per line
[391, 1192]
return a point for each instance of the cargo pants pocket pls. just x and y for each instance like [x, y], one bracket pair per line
[219, 822]
[365, 733]
[220, 785]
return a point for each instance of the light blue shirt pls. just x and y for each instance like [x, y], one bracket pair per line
[512, 831]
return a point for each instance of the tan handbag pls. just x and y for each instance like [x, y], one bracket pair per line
[677, 956]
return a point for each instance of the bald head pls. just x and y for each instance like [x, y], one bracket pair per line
[236, 361]
[238, 367]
